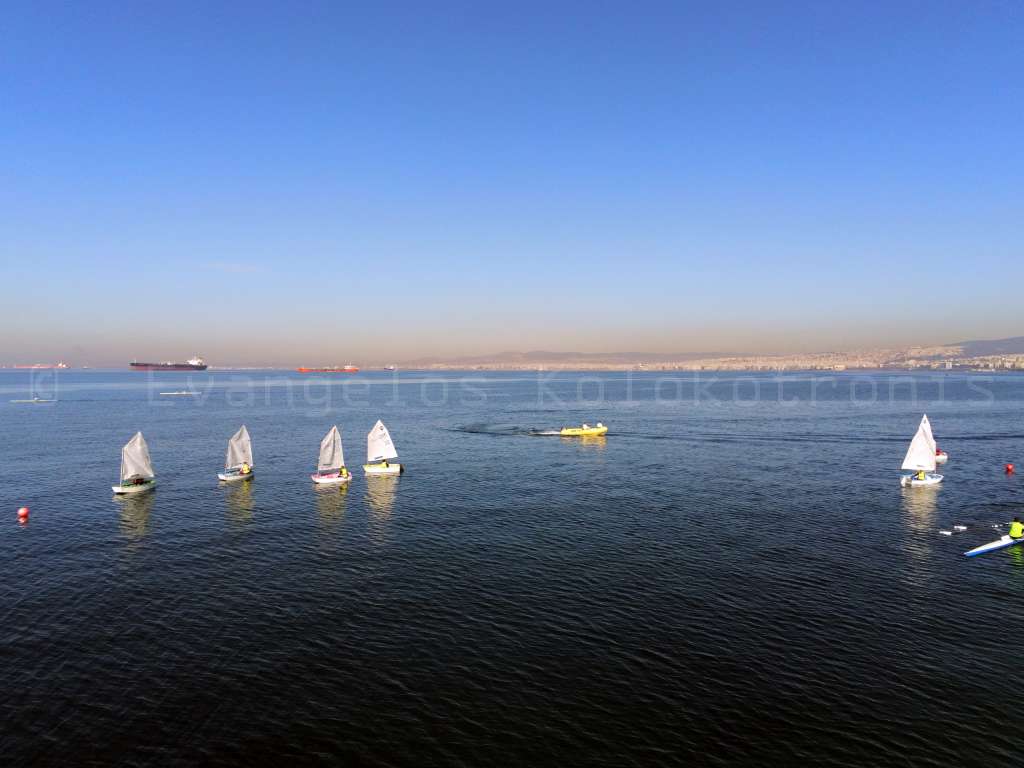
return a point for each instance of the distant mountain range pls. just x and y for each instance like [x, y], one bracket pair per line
[543, 357]
[1011, 346]
[535, 359]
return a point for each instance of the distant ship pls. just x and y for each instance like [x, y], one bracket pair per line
[193, 364]
[45, 366]
[331, 369]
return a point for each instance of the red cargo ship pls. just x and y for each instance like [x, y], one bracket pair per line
[332, 369]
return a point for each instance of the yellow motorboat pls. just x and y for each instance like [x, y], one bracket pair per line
[584, 431]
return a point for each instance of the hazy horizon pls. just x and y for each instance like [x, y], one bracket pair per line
[330, 184]
[235, 358]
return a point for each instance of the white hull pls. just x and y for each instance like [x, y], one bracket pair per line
[122, 490]
[1000, 543]
[378, 469]
[330, 479]
[233, 477]
[912, 481]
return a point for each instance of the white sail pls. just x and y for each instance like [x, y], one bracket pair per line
[332, 457]
[135, 459]
[239, 449]
[927, 427]
[378, 444]
[921, 454]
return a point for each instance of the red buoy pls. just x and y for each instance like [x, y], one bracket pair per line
[1009, 469]
[23, 515]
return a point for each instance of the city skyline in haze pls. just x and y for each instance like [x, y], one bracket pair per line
[263, 184]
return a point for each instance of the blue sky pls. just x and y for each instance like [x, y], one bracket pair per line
[325, 182]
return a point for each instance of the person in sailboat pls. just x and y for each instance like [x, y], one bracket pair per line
[1016, 529]
[920, 475]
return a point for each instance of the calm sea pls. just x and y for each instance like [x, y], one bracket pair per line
[733, 576]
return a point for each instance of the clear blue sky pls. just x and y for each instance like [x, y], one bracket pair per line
[326, 182]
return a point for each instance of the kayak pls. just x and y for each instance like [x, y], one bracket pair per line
[992, 546]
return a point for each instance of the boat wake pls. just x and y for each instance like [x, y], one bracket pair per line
[505, 430]
[508, 430]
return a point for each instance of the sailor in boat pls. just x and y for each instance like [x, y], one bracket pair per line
[245, 469]
[921, 475]
[1016, 529]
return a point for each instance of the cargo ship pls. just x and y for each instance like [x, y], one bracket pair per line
[193, 364]
[331, 369]
[45, 366]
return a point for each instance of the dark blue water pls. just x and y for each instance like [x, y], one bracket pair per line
[732, 576]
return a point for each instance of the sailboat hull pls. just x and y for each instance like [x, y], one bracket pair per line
[381, 469]
[123, 490]
[234, 477]
[913, 482]
[334, 479]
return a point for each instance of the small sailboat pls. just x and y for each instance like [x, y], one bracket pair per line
[136, 468]
[330, 468]
[584, 431]
[238, 463]
[379, 450]
[920, 458]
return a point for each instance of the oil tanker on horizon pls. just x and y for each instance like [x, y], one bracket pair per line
[330, 369]
[192, 364]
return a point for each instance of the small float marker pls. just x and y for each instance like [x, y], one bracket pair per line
[1010, 469]
[23, 515]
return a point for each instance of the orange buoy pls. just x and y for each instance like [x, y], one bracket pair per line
[23, 515]
[1009, 469]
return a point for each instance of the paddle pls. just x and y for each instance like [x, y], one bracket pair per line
[962, 528]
